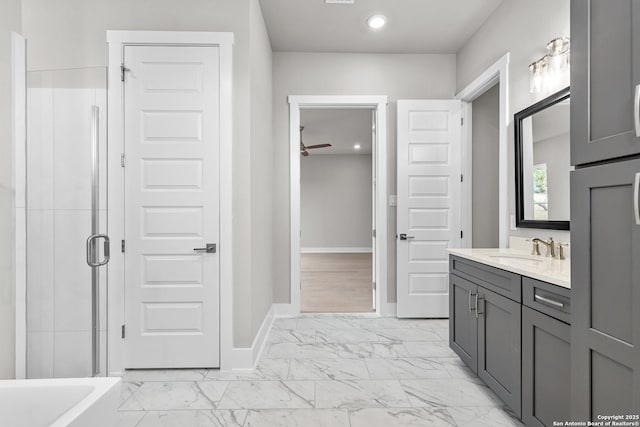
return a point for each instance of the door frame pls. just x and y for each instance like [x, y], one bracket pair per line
[497, 73]
[117, 40]
[379, 105]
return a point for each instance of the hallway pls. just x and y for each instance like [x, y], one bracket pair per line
[329, 371]
[336, 283]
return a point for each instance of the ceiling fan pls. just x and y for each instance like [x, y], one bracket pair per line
[304, 148]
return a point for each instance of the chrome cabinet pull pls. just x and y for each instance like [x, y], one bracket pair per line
[636, 110]
[477, 307]
[636, 198]
[470, 295]
[91, 250]
[544, 300]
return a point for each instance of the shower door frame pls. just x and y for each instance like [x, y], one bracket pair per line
[19, 143]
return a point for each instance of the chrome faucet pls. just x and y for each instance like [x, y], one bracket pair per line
[551, 246]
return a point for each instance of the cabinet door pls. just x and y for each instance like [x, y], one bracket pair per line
[499, 346]
[546, 364]
[463, 332]
[605, 293]
[605, 72]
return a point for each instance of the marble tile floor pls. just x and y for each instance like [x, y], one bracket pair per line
[324, 371]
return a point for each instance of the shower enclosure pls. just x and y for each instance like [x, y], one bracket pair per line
[66, 210]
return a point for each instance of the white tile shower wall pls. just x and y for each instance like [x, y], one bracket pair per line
[40, 148]
[59, 222]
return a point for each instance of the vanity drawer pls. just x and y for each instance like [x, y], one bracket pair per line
[547, 298]
[501, 282]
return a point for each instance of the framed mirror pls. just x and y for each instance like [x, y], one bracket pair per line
[542, 163]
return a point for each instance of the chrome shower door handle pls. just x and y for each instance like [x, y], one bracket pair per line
[636, 110]
[91, 250]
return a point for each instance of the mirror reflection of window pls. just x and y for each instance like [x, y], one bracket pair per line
[540, 193]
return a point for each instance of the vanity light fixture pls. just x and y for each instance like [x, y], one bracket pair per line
[376, 21]
[546, 73]
[356, 146]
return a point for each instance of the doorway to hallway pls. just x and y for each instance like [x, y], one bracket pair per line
[336, 210]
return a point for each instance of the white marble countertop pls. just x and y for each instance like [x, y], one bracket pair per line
[520, 262]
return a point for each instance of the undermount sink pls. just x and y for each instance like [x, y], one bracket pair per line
[531, 260]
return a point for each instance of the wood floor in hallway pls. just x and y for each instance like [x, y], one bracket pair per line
[336, 283]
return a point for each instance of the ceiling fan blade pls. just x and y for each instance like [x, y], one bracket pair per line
[317, 146]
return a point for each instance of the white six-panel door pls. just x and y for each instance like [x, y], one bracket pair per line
[428, 216]
[171, 104]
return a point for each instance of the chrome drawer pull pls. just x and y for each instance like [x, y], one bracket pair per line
[636, 111]
[470, 308]
[636, 198]
[541, 299]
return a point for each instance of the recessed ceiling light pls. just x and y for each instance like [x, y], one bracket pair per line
[357, 146]
[376, 21]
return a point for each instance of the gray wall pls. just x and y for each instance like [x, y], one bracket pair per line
[523, 28]
[485, 116]
[336, 201]
[397, 76]
[261, 173]
[71, 33]
[9, 21]
[555, 152]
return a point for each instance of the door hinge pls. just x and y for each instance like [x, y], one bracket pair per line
[374, 233]
[461, 178]
[461, 121]
[374, 286]
[123, 70]
[122, 245]
[461, 234]
[123, 332]
[122, 159]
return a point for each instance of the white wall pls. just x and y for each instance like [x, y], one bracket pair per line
[523, 28]
[556, 153]
[336, 201]
[396, 76]
[485, 123]
[9, 21]
[71, 33]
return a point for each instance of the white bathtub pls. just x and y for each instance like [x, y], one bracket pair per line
[73, 402]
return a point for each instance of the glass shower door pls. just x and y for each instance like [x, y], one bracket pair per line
[66, 223]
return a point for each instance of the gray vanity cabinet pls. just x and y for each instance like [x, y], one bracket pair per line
[499, 346]
[605, 75]
[546, 367]
[605, 315]
[484, 325]
[463, 330]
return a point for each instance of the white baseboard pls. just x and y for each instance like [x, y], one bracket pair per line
[336, 250]
[285, 310]
[246, 358]
[388, 310]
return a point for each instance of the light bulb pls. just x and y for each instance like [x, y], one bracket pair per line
[377, 21]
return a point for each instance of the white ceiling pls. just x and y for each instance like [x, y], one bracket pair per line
[413, 26]
[340, 127]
